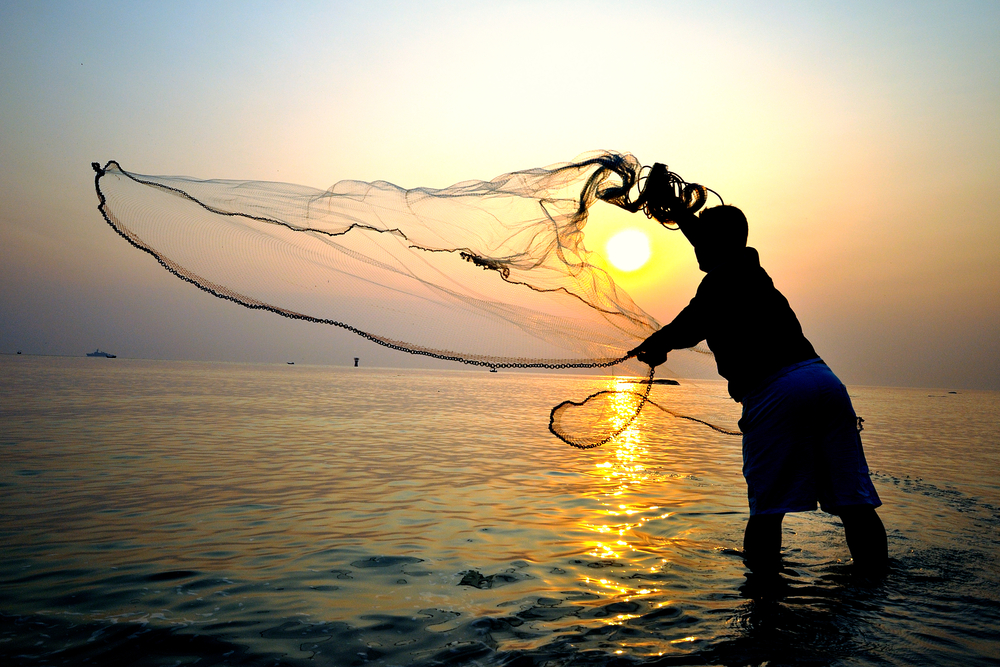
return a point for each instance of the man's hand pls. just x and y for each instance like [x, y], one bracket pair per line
[650, 352]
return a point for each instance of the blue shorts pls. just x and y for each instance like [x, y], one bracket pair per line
[801, 444]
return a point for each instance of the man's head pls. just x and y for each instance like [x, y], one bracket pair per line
[721, 231]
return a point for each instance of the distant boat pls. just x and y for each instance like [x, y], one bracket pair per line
[655, 381]
[98, 353]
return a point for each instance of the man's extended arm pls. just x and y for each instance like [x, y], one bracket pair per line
[688, 223]
[686, 330]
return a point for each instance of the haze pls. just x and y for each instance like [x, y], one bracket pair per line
[862, 142]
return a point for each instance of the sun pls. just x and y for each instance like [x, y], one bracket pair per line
[628, 250]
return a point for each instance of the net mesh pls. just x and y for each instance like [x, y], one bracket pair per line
[488, 273]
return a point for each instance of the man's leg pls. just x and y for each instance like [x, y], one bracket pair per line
[762, 543]
[866, 538]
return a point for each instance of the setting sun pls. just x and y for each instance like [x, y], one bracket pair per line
[628, 250]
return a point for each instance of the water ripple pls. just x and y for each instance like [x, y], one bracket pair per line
[158, 512]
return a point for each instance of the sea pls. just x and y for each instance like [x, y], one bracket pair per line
[186, 513]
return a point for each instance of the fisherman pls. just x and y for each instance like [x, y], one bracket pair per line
[801, 436]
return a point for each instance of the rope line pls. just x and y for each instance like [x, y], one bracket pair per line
[688, 196]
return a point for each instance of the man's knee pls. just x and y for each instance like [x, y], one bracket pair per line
[766, 519]
[763, 526]
[858, 514]
[762, 543]
[866, 538]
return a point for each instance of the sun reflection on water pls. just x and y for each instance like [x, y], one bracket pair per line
[622, 474]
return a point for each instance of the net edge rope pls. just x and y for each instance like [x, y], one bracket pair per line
[472, 360]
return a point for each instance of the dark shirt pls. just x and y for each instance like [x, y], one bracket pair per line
[746, 322]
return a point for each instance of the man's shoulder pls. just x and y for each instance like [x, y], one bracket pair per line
[745, 266]
[749, 271]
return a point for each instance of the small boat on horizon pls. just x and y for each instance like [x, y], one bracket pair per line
[655, 381]
[98, 353]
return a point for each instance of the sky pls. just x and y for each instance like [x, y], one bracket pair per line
[861, 139]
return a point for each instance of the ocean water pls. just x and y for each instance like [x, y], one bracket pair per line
[165, 513]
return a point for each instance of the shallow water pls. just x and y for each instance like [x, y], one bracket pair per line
[174, 513]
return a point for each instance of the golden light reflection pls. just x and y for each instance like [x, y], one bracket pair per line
[622, 474]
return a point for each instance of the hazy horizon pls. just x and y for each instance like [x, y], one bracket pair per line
[861, 141]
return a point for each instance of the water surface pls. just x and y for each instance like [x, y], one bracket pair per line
[182, 513]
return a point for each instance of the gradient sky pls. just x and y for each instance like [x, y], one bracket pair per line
[861, 139]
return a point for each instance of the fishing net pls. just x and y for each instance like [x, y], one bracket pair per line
[488, 273]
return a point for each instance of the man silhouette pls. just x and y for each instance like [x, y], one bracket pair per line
[801, 440]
